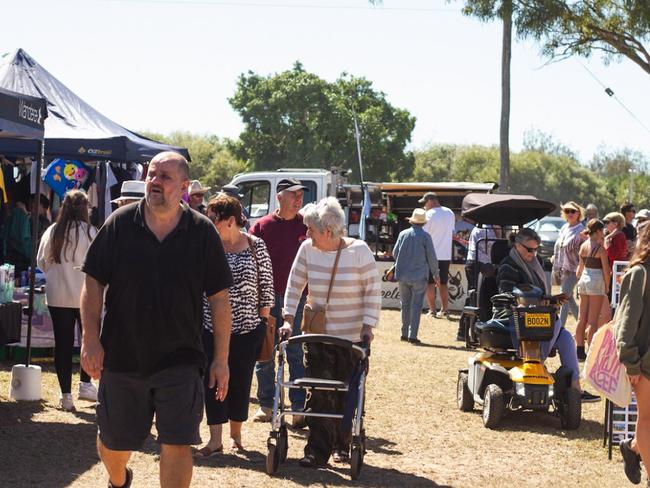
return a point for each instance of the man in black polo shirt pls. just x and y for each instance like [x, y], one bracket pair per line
[156, 259]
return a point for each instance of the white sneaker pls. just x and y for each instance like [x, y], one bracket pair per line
[67, 403]
[263, 414]
[87, 391]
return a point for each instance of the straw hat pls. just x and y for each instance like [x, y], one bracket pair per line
[419, 216]
[131, 190]
[573, 206]
[197, 188]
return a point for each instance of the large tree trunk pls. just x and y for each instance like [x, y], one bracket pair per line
[504, 175]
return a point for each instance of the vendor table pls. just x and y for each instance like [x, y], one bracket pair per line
[42, 333]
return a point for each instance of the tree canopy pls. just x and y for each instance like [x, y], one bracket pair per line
[297, 119]
[615, 28]
[212, 162]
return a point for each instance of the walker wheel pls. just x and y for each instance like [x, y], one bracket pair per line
[356, 461]
[272, 458]
[283, 444]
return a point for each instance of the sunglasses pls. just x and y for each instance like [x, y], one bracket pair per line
[569, 210]
[532, 250]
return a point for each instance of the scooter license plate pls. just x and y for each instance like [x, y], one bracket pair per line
[538, 320]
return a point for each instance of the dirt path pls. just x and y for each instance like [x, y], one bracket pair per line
[417, 437]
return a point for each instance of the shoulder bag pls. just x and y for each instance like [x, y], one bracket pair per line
[313, 316]
[268, 343]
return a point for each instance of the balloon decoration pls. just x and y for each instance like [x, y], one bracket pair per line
[63, 175]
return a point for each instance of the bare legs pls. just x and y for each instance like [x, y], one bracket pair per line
[431, 297]
[641, 442]
[216, 433]
[591, 307]
[175, 465]
[115, 463]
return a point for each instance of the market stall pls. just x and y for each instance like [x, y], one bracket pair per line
[387, 219]
[86, 148]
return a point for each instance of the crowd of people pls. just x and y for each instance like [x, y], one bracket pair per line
[175, 298]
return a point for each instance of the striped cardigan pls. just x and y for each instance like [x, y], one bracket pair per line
[356, 294]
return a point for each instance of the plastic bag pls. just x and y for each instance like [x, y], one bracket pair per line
[604, 371]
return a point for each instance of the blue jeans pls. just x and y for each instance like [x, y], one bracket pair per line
[568, 284]
[566, 347]
[265, 372]
[412, 296]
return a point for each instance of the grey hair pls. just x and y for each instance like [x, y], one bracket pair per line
[324, 215]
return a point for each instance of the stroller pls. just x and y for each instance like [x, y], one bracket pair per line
[277, 443]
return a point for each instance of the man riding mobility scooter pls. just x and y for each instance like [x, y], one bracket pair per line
[510, 374]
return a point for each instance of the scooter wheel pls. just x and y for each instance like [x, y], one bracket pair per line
[463, 395]
[571, 410]
[493, 406]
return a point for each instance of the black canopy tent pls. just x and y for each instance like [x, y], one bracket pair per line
[22, 125]
[74, 129]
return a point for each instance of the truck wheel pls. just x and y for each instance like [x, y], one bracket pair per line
[464, 396]
[571, 411]
[493, 406]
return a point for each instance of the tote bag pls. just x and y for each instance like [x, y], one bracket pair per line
[604, 371]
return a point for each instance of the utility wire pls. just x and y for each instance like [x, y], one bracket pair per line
[611, 94]
[285, 5]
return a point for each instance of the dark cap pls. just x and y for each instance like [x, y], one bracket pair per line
[428, 196]
[289, 184]
[232, 191]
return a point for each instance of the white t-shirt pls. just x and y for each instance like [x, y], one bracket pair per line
[440, 225]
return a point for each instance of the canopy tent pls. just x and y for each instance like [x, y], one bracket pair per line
[22, 124]
[504, 209]
[74, 129]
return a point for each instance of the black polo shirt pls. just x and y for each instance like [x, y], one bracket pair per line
[153, 305]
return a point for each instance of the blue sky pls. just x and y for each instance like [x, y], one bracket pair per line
[171, 65]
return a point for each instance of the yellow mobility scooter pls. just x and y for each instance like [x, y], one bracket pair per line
[501, 376]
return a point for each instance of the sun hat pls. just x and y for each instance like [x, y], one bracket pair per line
[430, 195]
[419, 216]
[573, 206]
[131, 190]
[289, 184]
[197, 188]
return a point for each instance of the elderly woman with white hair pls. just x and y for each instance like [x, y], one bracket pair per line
[351, 313]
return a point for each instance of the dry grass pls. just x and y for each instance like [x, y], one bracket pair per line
[417, 437]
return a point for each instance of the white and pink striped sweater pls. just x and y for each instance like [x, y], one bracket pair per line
[356, 294]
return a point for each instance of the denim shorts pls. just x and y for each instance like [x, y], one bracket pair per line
[591, 282]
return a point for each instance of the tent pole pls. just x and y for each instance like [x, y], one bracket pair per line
[36, 206]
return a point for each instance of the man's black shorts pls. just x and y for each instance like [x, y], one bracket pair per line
[443, 268]
[127, 402]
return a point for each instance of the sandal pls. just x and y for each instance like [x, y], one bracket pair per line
[127, 483]
[236, 446]
[340, 457]
[206, 452]
[309, 461]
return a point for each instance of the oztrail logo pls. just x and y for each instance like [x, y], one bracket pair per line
[27, 112]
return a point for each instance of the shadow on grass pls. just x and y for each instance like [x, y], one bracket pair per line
[449, 348]
[19, 413]
[330, 475]
[547, 424]
[45, 454]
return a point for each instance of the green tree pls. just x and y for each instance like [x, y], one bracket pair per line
[615, 28]
[297, 119]
[212, 161]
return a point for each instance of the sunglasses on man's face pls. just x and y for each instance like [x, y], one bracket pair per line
[532, 250]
